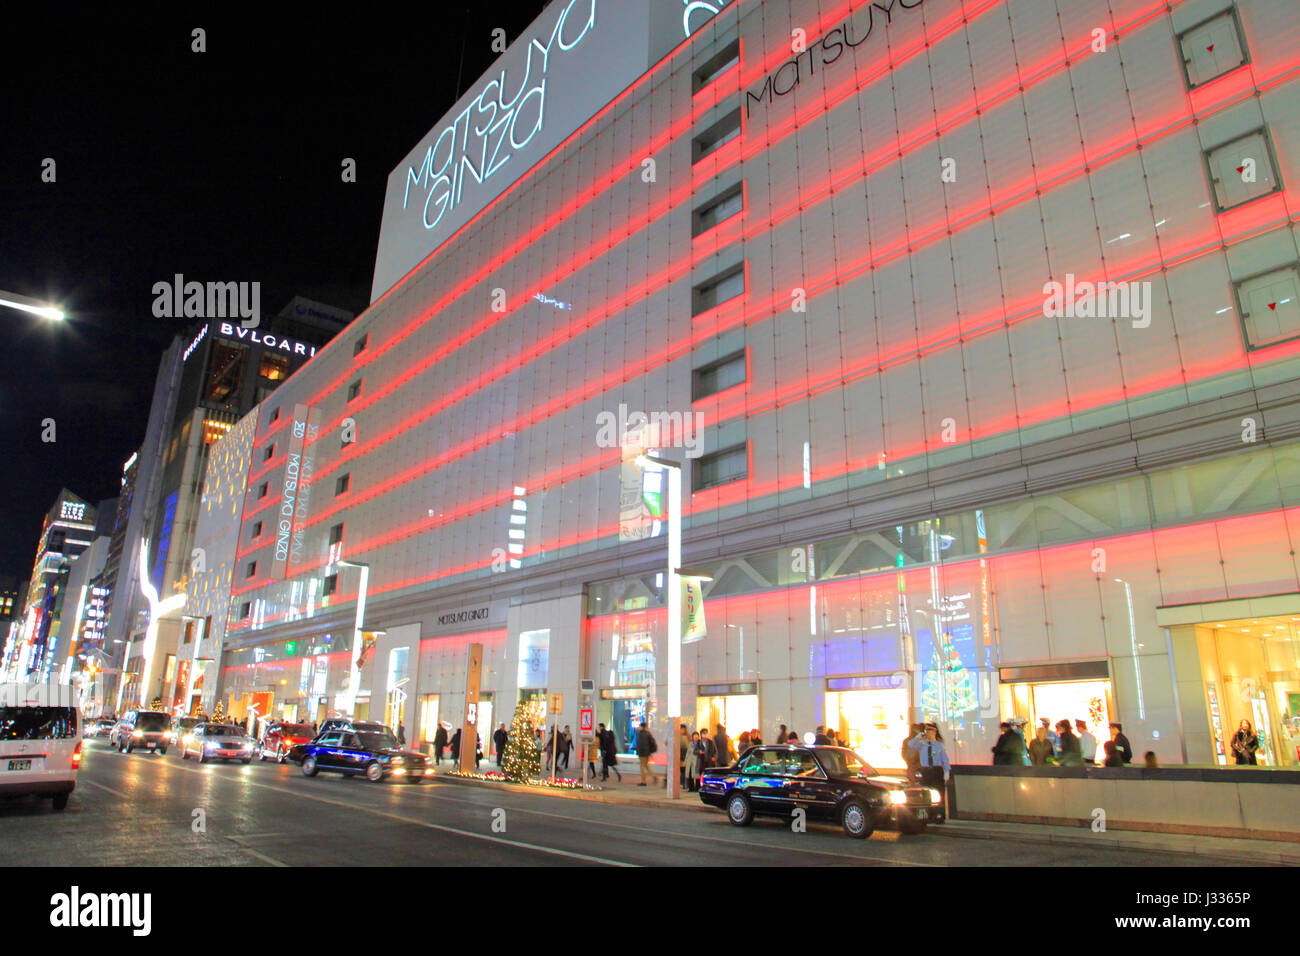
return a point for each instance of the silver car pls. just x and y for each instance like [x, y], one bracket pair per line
[217, 742]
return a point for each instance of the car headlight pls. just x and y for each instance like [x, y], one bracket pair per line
[137, 733]
[935, 796]
[897, 797]
[209, 744]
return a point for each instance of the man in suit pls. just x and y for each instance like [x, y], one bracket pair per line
[1122, 745]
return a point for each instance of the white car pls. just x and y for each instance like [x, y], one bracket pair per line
[217, 742]
[40, 741]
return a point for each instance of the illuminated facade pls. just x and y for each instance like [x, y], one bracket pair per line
[991, 311]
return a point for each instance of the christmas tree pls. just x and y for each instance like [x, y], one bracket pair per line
[959, 692]
[219, 715]
[521, 762]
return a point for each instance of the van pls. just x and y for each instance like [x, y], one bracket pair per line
[40, 741]
[146, 729]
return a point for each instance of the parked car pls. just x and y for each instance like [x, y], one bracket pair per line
[99, 727]
[217, 742]
[828, 783]
[40, 751]
[372, 753]
[181, 726]
[281, 738]
[146, 729]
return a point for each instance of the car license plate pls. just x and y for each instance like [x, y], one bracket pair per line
[20, 765]
[922, 813]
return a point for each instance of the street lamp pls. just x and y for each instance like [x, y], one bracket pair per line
[354, 672]
[34, 306]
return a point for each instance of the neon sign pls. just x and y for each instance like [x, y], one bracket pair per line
[481, 139]
[72, 511]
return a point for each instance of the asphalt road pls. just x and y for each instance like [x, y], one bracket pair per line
[151, 810]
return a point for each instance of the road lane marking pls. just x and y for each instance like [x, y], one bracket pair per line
[119, 793]
[420, 823]
[268, 860]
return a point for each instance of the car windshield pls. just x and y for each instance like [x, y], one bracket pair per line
[151, 722]
[221, 730]
[373, 741]
[844, 763]
[187, 722]
[36, 723]
[295, 730]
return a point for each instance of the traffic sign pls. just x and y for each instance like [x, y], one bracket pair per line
[557, 703]
[587, 722]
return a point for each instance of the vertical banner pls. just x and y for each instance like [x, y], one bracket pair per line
[694, 627]
[640, 503]
[289, 493]
[469, 732]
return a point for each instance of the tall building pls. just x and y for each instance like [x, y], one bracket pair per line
[67, 531]
[974, 324]
[210, 377]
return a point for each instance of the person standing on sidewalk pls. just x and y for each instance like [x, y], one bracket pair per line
[1245, 744]
[455, 748]
[694, 762]
[1068, 754]
[1122, 745]
[566, 745]
[710, 750]
[935, 768]
[499, 740]
[1040, 748]
[645, 749]
[593, 749]
[1087, 744]
[723, 745]
[608, 754]
[683, 752]
[1009, 751]
[781, 734]
[910, 759]
[439, 743]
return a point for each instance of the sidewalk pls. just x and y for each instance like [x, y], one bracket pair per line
[627, 793]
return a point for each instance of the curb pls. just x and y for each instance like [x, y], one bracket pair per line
[593, 796]
[1267, 856]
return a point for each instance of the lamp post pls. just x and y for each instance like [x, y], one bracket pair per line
[34, 306]
[673, 585]
[354, 673]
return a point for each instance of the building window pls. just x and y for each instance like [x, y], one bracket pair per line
[257, 530]
[336, 533]
[1212, 48]
[225, 373]
[718, 376]
[269, 453]
[262, 489]
[341, 485]
[1242, 169]
[245, 609]
[716, 136]
[713, 292]
[251, 570]
[274, 368]
[360, 344]
[715, 66]
[721, 467]
[1269, 305]
[275, 415]
[354, 389]
[718, 209]
[331, 585]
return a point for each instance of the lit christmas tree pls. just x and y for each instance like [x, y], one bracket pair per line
[960, 691]
[219, 715]
[521, 762]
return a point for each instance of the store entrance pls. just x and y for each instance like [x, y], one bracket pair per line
[1091, 701]
[874, 722]
[738, 713]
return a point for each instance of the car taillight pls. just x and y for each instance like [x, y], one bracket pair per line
[76, 756]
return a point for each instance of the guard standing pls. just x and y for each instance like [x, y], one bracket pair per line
[935, 767]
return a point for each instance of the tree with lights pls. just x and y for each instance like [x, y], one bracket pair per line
[959, 691]
[521, 762]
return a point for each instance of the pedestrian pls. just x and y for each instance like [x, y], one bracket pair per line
[593, 749]
[1150, 758]
[781, 734]
[646, 747]
[541, 747]
[1113, 757]
[608, 754]
[722, 744]
[911, 760]
[683, 752]
[754, 739]
[710, 750]
[566, 745]
[1121, 742]
[1052, 735]
[821, 740]
[478, 750]
[935, 768]
[1009, 751]
[499, 740]
[455, 749]
[742, 742]
[401, 736]
[1068, 754]
[1245, 744]
[694, 759]
[439, 743]
[551, 747]
[1040, 748]
[1087, 744]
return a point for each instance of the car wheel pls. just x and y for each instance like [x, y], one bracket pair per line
[121, 745]
[739, 811]
[374, 772]
[309, 767]
[162, 750]
[185, 754]
[856, 819]
[130, 748]
[281, 756]
[60, 801]
[201, 757]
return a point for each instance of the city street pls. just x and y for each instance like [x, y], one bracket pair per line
[142, 810]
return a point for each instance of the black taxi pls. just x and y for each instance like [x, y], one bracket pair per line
[827, 783]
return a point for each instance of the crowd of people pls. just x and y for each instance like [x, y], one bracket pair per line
[1061, 746]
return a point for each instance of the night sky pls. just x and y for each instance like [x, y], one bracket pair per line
[222, 165]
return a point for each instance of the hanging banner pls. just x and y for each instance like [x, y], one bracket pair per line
[289, 492]
[693, 624]
[641, 490]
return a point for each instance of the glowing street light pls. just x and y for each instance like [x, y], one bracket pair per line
[34, 306]
[354, 673]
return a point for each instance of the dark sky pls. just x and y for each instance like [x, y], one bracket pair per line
[222, 165]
